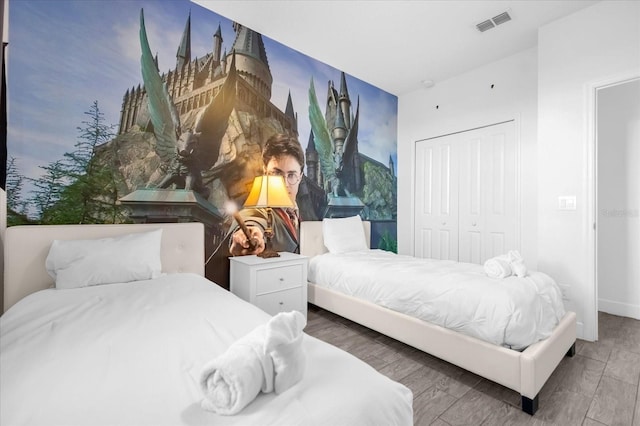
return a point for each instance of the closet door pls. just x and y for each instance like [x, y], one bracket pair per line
[466, 194]
[436, 199]
[487, 192]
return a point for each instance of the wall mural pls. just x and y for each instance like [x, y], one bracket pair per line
[158, 112]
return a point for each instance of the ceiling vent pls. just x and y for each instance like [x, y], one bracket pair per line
[493, 22]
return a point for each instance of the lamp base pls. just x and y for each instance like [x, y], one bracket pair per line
[267, 253]
[268, 234]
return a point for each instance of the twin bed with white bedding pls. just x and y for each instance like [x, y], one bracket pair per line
[510, 312]
[132, 353]
[513, 331]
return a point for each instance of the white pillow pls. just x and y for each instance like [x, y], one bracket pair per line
[81, 263]
[344, 234]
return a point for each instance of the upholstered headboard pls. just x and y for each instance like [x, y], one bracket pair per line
[27, 247]
[311, 241]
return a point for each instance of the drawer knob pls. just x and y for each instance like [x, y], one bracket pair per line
[281, 303]
[281, 279]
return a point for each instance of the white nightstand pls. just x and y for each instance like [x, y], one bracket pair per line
[277, 284]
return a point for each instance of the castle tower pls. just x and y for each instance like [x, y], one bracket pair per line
[339, 133]
[124, 113]
[344, 101]
[251, 59]
[342, 123]
[332, 104]
[289, 112]
[311, 157]
[217, 45]
[358, 177]
[224, 62]
[183, 56]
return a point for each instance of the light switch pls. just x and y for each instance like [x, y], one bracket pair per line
[567, 202]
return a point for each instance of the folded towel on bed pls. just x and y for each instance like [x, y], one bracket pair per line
[517, 263]
[284, 344]
[506, 265]
[270, 357]
[233, 379]
[498, 267]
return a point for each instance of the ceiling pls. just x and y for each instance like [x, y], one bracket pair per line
[398, 45]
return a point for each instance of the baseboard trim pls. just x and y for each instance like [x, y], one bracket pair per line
[619, 308]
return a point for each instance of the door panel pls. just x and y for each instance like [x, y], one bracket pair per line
[471, 196]
[436, 200]
[425, 243]
[488, 197]
[466, 194]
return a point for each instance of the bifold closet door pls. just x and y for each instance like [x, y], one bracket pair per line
[436, 199]
[466, 194]
[487, 197]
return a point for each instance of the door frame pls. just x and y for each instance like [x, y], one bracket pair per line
[591, 212]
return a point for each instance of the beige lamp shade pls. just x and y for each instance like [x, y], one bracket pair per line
[268, 191]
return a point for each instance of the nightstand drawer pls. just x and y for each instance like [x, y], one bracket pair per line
[274, 284]
[278, 279]
[281, 301]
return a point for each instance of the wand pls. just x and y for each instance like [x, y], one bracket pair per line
[231, 208]
[244, 228]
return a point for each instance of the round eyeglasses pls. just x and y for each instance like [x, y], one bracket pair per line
[290, 177]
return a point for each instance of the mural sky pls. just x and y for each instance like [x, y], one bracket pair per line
[66, 54]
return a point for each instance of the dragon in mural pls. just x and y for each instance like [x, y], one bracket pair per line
[337, 151]
[187, 152]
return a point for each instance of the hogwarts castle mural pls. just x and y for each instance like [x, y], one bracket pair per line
[189, 128]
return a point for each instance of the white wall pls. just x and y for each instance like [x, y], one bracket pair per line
[618, 176]
[574, 52]
[466, 102]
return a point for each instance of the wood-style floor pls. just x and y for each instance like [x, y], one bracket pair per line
[598, 386]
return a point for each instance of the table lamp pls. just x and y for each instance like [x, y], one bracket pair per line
[268, 192]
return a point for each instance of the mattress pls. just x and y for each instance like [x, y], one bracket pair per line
[511, 312]
[131, 354]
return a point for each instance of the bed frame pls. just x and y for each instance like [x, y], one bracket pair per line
[27, 247]
[524, 372]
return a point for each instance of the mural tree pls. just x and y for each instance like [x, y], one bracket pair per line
[16, 206]
[48, 190]
[78, 188]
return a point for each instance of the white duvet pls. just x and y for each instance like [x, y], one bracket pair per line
[131, 354]
[512, 312]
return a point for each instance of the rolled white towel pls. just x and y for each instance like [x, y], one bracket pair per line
[267, 359]
[517, 263]
[234, 379]
[498, 267]
[283, 343]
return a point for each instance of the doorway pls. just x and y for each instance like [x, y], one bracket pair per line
[617, 195]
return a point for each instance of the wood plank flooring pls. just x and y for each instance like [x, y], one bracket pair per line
[599, 386]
